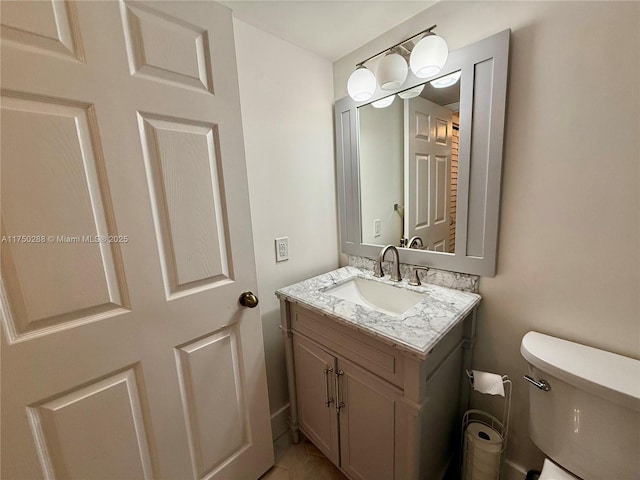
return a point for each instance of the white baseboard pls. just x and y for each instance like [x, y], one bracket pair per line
[513, 471]
[280, 422]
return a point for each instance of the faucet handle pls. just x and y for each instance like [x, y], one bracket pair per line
[415, 279]
[377, 270]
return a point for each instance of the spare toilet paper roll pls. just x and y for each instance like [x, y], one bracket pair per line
[484, 437]
[485, 382]
[482, 449]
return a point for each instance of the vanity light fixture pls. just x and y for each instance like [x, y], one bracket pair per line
[412, 92]
[426, 59]
[362, 84]
[392, 71]
[383, 102]
[429, 56]
[446, 81]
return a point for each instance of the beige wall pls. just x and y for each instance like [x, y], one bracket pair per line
[286, 97]
[569, 255]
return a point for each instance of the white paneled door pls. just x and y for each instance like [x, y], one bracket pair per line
[126, 243]
[429, 130]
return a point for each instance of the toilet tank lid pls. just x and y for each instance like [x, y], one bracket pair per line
[613, 377]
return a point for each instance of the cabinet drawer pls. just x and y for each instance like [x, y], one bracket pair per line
[369, 353]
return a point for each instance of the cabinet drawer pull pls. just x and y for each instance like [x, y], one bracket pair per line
[327, 399]
[339, 403]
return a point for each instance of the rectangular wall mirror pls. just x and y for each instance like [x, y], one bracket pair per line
[411, 203]
[420, 168]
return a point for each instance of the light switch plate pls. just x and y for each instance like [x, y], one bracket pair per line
[282, 249]
[377, 227]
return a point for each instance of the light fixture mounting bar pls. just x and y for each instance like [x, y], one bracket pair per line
[360, 64]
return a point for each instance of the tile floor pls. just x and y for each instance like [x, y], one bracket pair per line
[301, 462]
[305, 462]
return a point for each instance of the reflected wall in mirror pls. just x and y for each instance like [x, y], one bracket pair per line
[409, 166]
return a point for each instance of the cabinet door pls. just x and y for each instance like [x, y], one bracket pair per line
[315, 370]
[367, 423]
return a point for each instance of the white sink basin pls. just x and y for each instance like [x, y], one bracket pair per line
[376, 295]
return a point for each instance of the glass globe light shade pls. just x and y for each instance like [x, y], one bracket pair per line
[446, 81]
[383, 102]
[428, 56]
[391, 71]
[361, 84]
[412, 92]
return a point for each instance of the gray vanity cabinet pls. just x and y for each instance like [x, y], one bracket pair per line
[375, 410]
[336, 397]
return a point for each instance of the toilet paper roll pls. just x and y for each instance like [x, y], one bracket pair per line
[482, 449]
[485, 382]
[484, 437]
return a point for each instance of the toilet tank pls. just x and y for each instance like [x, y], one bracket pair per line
[589, 420]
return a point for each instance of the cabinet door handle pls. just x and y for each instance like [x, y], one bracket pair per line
[327, 399]
[339, 403]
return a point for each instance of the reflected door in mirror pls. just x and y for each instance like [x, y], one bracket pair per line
[428, 179]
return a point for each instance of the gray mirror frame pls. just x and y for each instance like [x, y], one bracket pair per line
[483, 96]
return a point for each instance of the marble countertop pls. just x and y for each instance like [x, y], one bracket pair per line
[416, 331]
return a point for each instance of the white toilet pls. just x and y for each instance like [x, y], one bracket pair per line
[588, 421]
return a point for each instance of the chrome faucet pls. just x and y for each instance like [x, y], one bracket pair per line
[395, 271]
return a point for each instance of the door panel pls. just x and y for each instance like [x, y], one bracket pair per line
[49, 186]
[215, 434]
[166, 48]
[130, 358]
[182, 169]
[50, 26]
[419, 211]
[68, 453]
